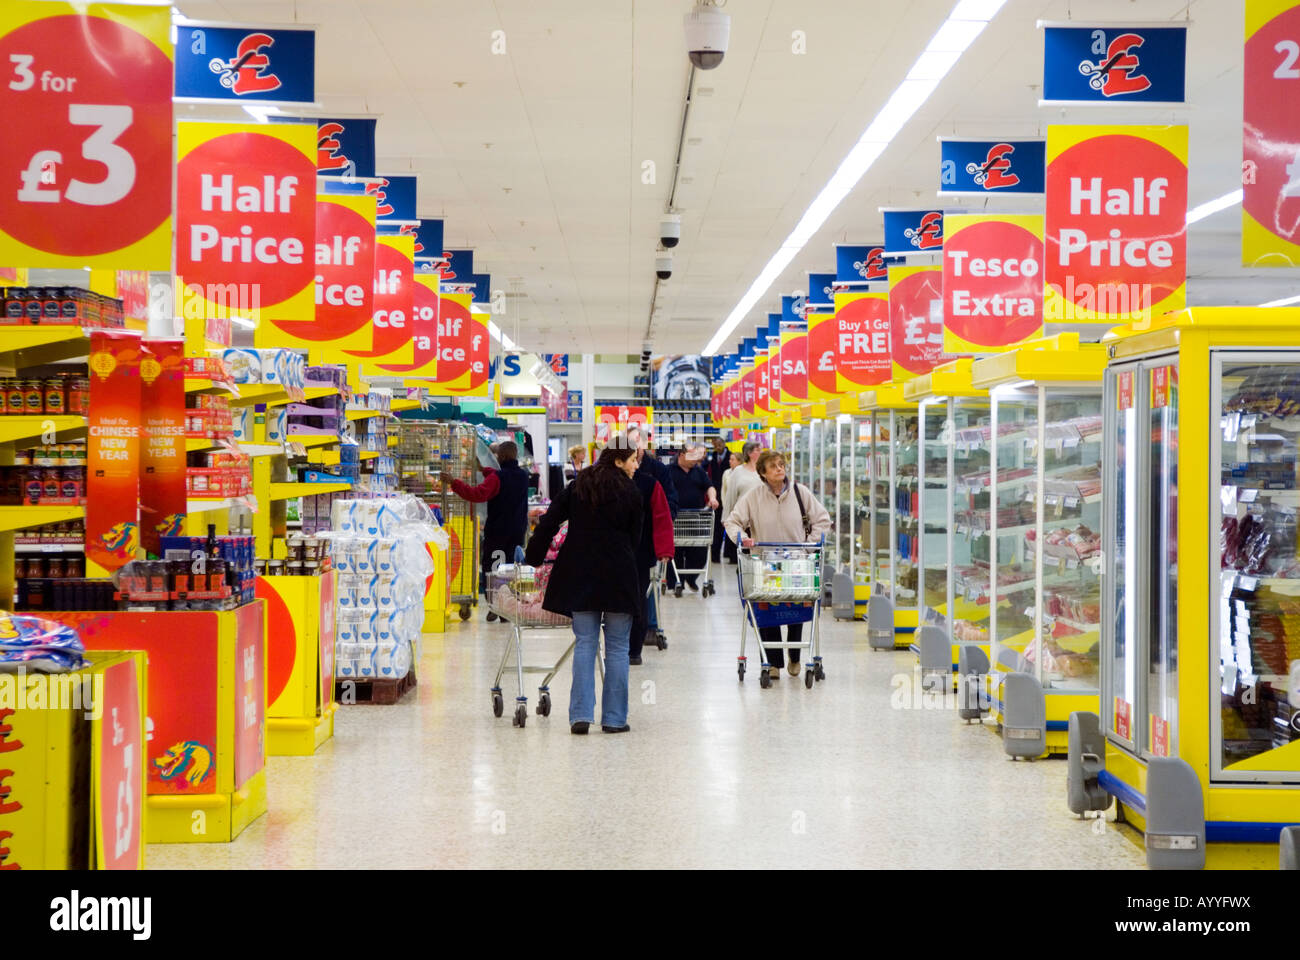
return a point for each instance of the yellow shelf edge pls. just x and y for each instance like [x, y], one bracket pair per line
[14, 429]
[287, 491]
[20, 517]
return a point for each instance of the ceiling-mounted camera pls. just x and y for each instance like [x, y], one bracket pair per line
[663, 265]
[670, 229]
[707, 31]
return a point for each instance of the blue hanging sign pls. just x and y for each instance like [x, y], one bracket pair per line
[345, 147]
[821, 292]
[861, 263]
[245, 64]
[459, 266]
[913, 231]
[395, 197]
[482, 288]
[982, 168]
[1114, 63]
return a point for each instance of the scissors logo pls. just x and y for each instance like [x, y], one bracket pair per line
[1117, 74]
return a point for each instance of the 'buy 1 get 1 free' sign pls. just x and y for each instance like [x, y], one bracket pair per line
[87, 168]
[861, 340]
[992, 282]
[1116, 223]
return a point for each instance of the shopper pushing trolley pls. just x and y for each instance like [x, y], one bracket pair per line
[779, 526]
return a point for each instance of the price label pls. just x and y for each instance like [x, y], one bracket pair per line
[1247, 495]
[1071, 442]
[88, 176]
[1071, 502]
[1229, 581]
[1249, 584]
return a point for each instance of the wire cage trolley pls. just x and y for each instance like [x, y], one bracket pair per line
[655, 588]
[780, 584]
[515, 593]
[693, 528]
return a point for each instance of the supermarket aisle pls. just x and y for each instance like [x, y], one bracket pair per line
[713, 774]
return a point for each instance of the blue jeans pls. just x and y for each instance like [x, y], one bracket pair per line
[582, 695]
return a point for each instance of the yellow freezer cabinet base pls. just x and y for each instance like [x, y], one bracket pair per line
[1229, 812]
[905, 624]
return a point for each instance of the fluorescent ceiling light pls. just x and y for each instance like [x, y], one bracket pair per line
[1281, 303]
[259, 113]
[1211, 207]
[501, 338]
[955, 35]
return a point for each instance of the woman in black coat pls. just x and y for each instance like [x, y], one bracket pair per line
[594, 579]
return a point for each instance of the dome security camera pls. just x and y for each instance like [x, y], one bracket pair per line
[670, 229]
[663, 265]
[708, 30]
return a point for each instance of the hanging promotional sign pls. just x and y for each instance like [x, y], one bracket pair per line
[992, 282]
[459, 266]
[428, 238]
[224, 63]
[794, 362]
[1270, 206]
[983, 168]
[821, 292]
[822, 381]
[614, 422]
[748, 379]
[861, 263]
[913, 231]
[463, 348]
[345, 146]
[246, 221]
[762, 383]
[118, 785]
[771, 337]
[861, 340]
[482, 292]
[916, 320]
[395, 197]
[162, 454]
[393, 283]
[425, 308]
[133, 288]
[87, 168]
[1118, 62]
[1116, 223]
[112, 451]
[344, 280]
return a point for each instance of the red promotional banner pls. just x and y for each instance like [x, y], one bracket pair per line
[162, 455]
[133, 288]
[88, 177]
[762, 383]
[113, 451]
[794, 364]
[119, 785]
[425, 307]
[325, 673]
[1270, 206]
[180, 689]
[861, 341]
[612, 422]
[1116, 223]
[992, 282]
[748, 389]
[455, 351]
[249, 692]
[394, 301]
[773, 373]
[916, 320]
[822, 382]
[246, 225]
[345, 274]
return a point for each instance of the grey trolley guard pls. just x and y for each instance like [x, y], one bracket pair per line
[1024, 716]
[935, 650]
[1289, 849]
[972, 669]
[842, 603]
[880, 622]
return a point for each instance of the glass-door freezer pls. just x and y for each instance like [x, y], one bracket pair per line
[1200, 656]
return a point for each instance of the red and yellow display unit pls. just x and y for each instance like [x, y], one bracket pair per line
[300, 703]
[1200, 651]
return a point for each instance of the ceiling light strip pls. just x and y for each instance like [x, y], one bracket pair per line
[966, 22]
[1211, 207]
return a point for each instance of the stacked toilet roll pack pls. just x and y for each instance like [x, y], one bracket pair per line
[377, 547]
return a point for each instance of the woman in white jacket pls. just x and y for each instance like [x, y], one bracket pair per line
[777, 511]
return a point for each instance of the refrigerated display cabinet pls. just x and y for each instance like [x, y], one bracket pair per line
[781, 438]
[842, 507]
[1044, 488]
[1199, 730]
[892, 547]
[954, 556]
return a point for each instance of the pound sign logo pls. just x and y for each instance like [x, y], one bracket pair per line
[246, 72]
[995, 172]
[929, 233]
[1117, 74]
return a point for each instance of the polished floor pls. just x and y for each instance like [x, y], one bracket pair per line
[714, 773]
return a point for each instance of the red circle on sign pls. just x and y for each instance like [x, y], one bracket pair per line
[249, 159]
[856, 360]
[1270, 142]
[424, 329]
[981, 299]
[821, 355]
[394, 265]
[101, 183]
[1117, 160]
[336, 227]
[453, 338]
[910, 328]
[281, 639]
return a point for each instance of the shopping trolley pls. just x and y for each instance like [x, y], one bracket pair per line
[655, 588]
[515, 595]
[780, 584]
[693, 528]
